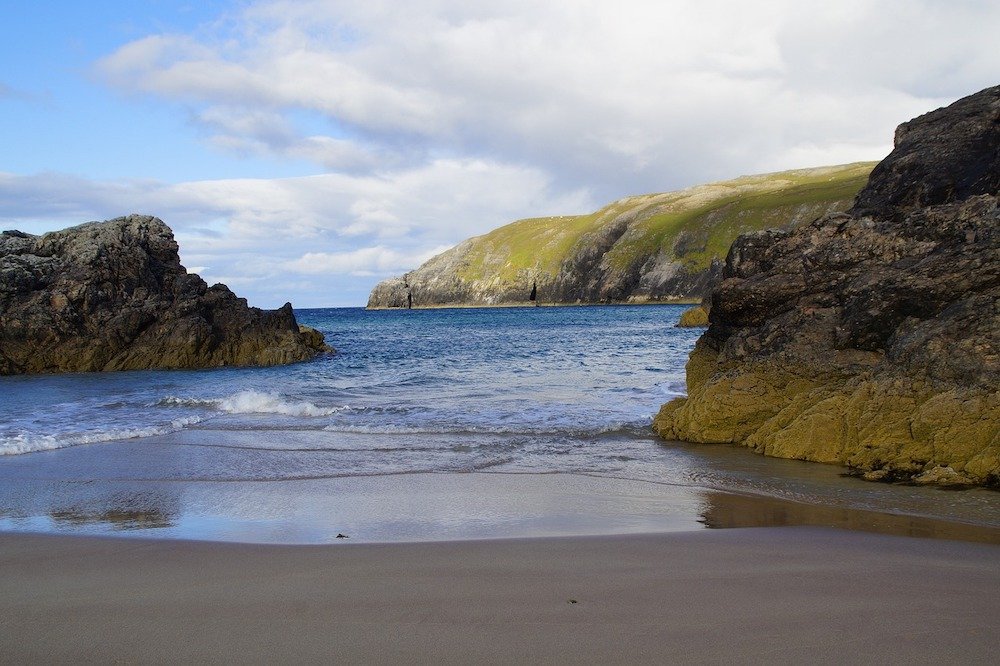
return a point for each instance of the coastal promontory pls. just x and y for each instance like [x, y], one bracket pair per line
[665, 247]
[869, 338]
[114, 296]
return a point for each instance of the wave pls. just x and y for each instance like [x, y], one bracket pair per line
[24, 442]
[252, 402]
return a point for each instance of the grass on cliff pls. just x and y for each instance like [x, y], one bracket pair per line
[692, 226]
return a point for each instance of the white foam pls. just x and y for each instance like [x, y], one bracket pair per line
[29, 443]
[399, 430]
[253, 402]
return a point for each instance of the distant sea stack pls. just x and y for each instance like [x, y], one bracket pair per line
[113, 296]
[652, 248]
[869, 339]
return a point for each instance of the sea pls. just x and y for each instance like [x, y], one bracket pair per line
[435, 424]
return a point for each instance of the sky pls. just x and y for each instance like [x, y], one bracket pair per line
[304, 150]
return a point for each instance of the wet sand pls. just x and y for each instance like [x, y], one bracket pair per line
[775, 595]
[728, 510]
[466, 506]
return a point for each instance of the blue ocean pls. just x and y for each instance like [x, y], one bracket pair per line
[426, 424]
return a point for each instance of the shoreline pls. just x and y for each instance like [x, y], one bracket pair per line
[774, 594]
[528, 304]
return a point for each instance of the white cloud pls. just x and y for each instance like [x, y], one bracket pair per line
[252, 132]
[618, 97]
[365, 261]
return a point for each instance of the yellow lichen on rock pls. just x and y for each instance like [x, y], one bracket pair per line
[663, 422]
[810, 427]
[889, 428]
[702, 362]
[693, 317]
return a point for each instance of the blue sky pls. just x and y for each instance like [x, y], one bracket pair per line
[305, 150]
[58, 117]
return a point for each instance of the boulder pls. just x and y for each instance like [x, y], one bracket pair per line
[113, 296]
[694, 317]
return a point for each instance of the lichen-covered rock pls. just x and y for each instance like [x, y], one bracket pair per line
[695, 316]
[869, 339]
[114, 296]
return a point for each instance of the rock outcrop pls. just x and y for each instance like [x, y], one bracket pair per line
[652, 248]
[694, 317]
[114, 296]
[869, 339]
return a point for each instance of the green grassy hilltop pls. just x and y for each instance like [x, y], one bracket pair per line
[654, 247]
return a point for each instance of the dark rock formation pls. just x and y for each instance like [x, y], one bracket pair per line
[923, 170]
[870, 339]
[114, 296]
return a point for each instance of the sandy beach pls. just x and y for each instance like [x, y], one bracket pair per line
[775, 595]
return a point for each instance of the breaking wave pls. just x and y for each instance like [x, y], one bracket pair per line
[252, 402]
[24, 442]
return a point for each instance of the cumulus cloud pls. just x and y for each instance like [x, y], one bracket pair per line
[362, 262]
[255, 132]
[619, 97]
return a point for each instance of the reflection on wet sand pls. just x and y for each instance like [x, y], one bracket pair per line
[121, 519]
[119, 511]
[422, 507]
[723, 510]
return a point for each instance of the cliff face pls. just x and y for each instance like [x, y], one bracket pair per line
[657, 247]
[114, 296]
[869, 339]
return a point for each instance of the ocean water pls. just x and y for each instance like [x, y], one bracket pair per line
[427, 424]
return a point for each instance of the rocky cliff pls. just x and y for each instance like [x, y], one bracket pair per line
[872, 338]
[114, 296]
[657, 247]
